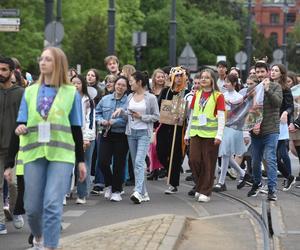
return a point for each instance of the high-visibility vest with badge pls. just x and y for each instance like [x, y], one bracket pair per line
[60, 146]
[204, 122]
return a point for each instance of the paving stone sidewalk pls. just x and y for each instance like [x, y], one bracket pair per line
[154, 232]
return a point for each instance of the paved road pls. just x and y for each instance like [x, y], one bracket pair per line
[100, 212]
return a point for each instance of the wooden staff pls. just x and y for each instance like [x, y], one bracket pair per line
[172, 152]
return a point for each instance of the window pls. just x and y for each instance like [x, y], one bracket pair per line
[291, 18]
[274, 18]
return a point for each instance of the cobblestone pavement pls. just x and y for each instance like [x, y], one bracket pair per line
[155, 232]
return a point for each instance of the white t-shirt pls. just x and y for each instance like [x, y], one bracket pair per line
[233, 97]
[139, 107]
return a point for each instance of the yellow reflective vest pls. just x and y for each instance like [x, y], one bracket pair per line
[209, 130]
[61, 146]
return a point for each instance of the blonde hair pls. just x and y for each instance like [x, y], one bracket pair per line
[60, 68]
[128, 70]
[155, 72]
[110, 78]
[111, 58]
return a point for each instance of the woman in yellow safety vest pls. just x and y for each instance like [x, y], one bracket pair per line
[50, 120]
[205, 131]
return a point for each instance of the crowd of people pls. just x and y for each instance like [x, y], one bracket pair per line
[66, 130]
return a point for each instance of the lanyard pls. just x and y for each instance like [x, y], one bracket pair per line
[203, 101]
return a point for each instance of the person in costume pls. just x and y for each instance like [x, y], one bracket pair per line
[50, 121]
[165, 133]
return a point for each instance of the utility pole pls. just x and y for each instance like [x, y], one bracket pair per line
[58, 14]
[48, 11]
[249, 36]
[284, 40]
[111, 28]
[172, 35]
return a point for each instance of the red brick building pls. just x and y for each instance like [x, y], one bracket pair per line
[269, 16]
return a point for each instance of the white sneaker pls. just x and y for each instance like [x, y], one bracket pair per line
[136, 197]
[18, 221]
[203, 198]
[145, 197]
[37, 245]
[65, 201]
[116, 196]
[197, 195]
[81, 201]
[107, 193]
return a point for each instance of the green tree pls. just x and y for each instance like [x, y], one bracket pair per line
[26, 45]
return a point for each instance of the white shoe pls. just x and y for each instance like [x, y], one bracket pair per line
[145, 197]
[107, 193]
[197, 195]
[37, 245]
[65, 201]
[136, 197]
[203, 198]
[116, 196]
[18, 221]
[122, 192]
[81, 201]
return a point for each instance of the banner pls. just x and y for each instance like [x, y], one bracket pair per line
[248, 112]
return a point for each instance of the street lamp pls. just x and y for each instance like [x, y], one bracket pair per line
[172, 35]
[111, 27]
[284, 42]
[249, 36]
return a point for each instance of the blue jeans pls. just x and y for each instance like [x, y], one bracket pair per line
[83, 188]
[266, 144]
[139, 142]
[99, 177]
[46, 184]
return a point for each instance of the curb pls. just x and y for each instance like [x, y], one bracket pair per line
[172, 237]
[169, 241]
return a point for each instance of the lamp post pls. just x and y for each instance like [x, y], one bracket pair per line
[172, 35]
[284, 40]
[111, 27]
[48, 11]
[249, 36]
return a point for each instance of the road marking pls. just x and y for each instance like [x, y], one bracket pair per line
[74, 213]
[65, 225]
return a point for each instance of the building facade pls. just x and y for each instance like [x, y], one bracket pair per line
[269, 17]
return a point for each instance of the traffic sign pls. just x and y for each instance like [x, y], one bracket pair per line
[9, 21]
[240, 57]
[188, 58]
[9, 12]
[278, 54]
[9, 28]
[54, 33]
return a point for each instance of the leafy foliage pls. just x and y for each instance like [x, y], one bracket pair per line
[211, 27]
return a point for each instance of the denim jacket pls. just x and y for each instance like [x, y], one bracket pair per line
[106, 107]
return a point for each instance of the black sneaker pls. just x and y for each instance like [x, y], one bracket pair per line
[254, 190]
[97, 190]
[171, 190]
[272, 196]
[242, 182]
[219, 187]
[189, 178]
[192, 192]
[289, 183]
[129, 183]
